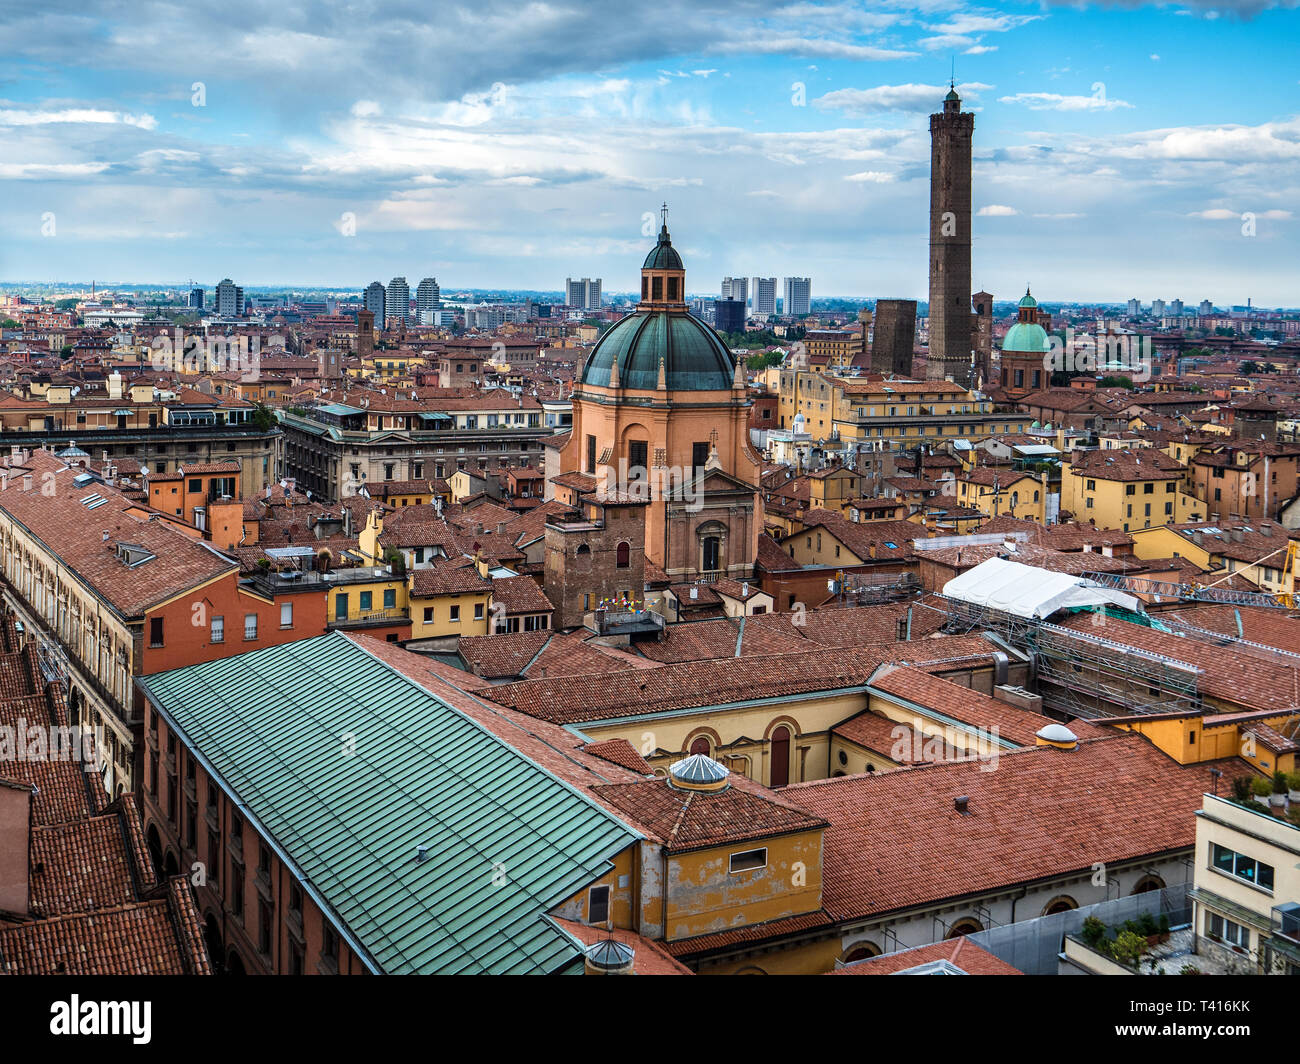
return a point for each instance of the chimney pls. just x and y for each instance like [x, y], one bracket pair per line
[15, 847]
[962, 804]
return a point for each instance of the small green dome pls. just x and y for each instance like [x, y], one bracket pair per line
[952, 95]
[1028, 301]
[663, 256]
[1025, 337]
[694, 356]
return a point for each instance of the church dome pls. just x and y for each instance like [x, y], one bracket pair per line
[1026, 337]
[663, 256]
[694, 356]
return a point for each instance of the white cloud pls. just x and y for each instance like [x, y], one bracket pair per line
[84, 115]
[367, 109]
[980, 49]
[1155, 58]
[916, 99]
[874, 177]
[996, 210]
[1051, 101]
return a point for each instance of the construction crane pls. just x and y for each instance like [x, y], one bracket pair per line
[1282, 599]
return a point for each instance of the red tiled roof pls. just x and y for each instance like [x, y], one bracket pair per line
[959, 952]
[693, 820]
[1043, 812]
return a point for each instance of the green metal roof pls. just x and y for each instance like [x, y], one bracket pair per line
[1023, 336]
[663, 256]
[506, 840]
[695, 358]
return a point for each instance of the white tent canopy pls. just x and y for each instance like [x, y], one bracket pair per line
[1025, 591]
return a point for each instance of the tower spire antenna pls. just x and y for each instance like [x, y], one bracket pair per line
[663, 214]
[952, 81]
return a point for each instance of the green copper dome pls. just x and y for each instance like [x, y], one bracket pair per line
[952, 95]
[1028, 300]
[694, 356]
[1026, 337]
[663, 256]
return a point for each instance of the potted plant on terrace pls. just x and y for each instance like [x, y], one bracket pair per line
[1261, 788]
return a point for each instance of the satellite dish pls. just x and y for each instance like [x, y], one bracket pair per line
[144, 470]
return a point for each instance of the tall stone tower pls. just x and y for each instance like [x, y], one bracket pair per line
[895, 332]
[950, 242]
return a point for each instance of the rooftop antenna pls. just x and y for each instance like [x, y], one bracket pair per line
[952, 81]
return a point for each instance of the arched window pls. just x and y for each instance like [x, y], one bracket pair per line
[700, 745]
[1061, 904]
[1147, 883]
[623, 556]
[780, 756]
[711, 554]
[964, 927]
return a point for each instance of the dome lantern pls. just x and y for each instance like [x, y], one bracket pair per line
[663, 277]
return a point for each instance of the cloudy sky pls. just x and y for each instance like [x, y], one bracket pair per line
[513, 144]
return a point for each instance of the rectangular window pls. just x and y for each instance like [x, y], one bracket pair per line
[428, 615]
[1233, 934]
[598, 905]
[286, 615]
[591, 454]
[250, 626]
[478, 611]
[264, 927]
[236, 890]
[196, 486]
[330, 944]
[367, 598]
[340, 607]
[1238, 864]
[637, 458]
[155, 631]
[699, 455]
[1148, 489]
[390, 598]
[1130, 489]
[454, 614]
[748, 860]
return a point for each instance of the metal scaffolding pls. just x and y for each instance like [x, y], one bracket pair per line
[1141, 585]
[1082, 674]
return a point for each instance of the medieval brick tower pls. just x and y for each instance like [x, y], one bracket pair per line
[950, 242]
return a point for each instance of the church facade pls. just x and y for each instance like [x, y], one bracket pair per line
[660, 413]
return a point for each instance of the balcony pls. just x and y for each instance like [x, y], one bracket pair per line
[373, 618]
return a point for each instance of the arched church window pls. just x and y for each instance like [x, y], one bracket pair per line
[712, 554]
[623, 556]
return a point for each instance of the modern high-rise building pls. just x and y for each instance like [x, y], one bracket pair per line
[1134, 308]
[196, 299]
[736, 288]
[373, 300]
[764, 296]
[1157, 308]
[229, 299]
[583, 294]
[798, 296]
[950, 242]
[1206, 308]
[397, 302]
[428, 301]
[892, 336]
[729, 315]
[1176, 308]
